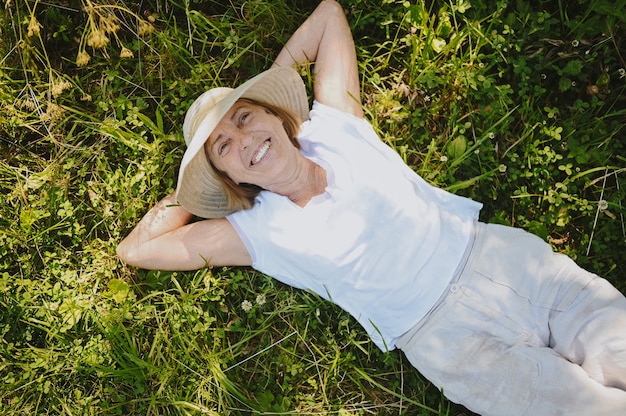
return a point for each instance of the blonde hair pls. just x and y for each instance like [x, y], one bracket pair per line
[241, 196]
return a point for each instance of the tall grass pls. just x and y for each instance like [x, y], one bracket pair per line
[519, 105]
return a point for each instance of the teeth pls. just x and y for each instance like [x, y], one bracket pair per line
[262, 151]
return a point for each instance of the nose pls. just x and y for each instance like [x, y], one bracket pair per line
[244, 140]
[240, 138]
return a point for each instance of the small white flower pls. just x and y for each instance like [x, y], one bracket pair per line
[621, 72]
[477, 151]
[603, 205]
[575, 43]
[260, 300]
[491, 135]
[544, 76]
[573, 83]
[246, 305]
[443, 158]
[502, 168]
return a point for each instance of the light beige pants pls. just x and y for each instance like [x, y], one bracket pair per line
[524, 331]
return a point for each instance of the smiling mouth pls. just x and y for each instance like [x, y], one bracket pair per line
[260, 154]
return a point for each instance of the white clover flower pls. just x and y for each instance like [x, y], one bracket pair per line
[603, 205]
[260, 300]
[443, 158]
[502, 168]
[246, 305]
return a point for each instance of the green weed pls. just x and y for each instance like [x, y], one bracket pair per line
[517, 104]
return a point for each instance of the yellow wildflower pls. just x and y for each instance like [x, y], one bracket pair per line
[82, 59]
[110, 23]
[33, 27]
[59, 86]
[97, 39]
[27, 103]
[54, 112]
[126, 53]
[144, 28]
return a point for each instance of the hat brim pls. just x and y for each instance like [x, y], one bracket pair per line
[199, 190]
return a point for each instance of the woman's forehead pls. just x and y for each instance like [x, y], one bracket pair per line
[240, 103]
[228, 118]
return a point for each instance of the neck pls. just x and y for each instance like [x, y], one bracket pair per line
[308, 181]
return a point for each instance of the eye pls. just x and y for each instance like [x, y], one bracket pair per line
[222, 147]
[243, 117]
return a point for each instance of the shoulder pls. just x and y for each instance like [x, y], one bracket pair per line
[334, 127]
[267, 207]
[322, 111]
[325, 117]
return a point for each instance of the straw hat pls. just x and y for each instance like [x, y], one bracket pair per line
[199, 190]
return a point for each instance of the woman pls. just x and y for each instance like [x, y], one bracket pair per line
[488, 313]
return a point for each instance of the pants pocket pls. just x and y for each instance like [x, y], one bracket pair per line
[527, 265]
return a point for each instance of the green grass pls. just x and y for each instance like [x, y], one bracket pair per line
[517, 104]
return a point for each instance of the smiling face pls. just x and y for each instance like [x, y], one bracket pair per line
[250, 145]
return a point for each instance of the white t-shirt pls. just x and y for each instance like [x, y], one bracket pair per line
[379, 242]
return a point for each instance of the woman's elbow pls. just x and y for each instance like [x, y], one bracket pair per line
[126, 253]
[333, 7]
[144, 256]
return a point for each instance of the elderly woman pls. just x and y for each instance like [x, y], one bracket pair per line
[313, 198]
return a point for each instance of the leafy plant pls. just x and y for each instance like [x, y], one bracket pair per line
[516, 104]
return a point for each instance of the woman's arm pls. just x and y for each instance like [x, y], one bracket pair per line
[164, 240]
[325, 39]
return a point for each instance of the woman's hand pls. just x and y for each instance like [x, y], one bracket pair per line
[325, 39]
[164, 240]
